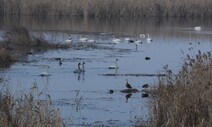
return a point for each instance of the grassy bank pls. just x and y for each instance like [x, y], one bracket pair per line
[185, 99]
[107, 8]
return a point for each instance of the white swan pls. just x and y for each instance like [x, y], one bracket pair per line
[149, 39]
[142, 35]
[45, 72]
[78, 70]
[83, 39]
[91, 41]
[116, 40]
[68, 40]
[129, 40]
[138, 42]
[114, 67]
[83, 67]
[197, 28]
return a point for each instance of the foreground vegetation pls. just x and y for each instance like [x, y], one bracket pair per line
[28, 109]
[107, 8]
[185, 99]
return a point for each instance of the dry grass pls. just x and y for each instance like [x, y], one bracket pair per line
[107, 8]
[28, 110]
[185, 99]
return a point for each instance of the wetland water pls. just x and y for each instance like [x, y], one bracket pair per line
[83, 99]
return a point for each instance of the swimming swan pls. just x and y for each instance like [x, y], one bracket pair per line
[197, 28]
[83, 39]
[116, 40]
[68, 40]
[83, 67]
[45, 72]
[142, 35]
[129, 40]
[114, 67]
[91, 41]
[78, 70]
[149, 39]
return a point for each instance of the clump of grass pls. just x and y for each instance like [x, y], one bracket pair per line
[27, 110]
[185, 99]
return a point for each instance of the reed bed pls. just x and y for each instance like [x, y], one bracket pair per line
[185, 99]
[107, 8]
[28, 109]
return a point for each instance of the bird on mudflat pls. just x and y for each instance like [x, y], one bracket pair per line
[128, 85]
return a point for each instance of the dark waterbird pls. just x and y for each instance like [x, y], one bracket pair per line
[58, 58]
[145, 85]
[144, 95]
[111, 91]
[147, 58]
[128, 85]
[128, 96]
[60, 62]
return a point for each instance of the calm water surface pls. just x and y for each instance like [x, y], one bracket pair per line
[172, 40]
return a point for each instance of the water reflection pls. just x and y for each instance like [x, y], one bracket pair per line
[132, 27]
[81, 76]
[127, 97]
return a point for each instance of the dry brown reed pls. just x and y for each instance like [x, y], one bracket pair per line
[185, 99]
[28, 110]
[107, 8]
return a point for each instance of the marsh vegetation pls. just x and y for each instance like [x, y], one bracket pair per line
[107, 8]
[185, 99]
[27, 108]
